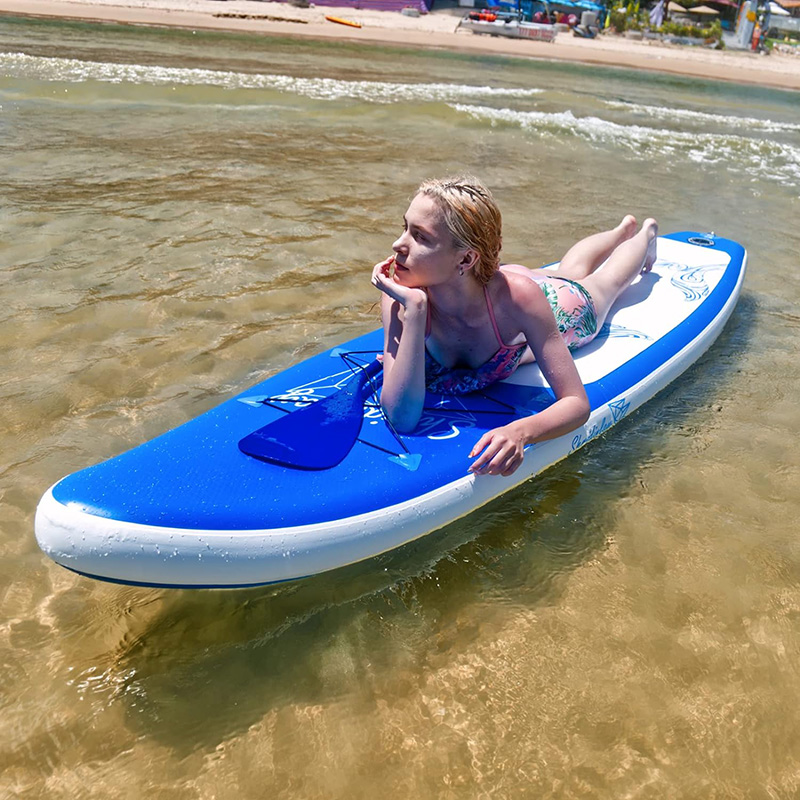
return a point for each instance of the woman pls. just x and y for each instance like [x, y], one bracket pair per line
[449, 309]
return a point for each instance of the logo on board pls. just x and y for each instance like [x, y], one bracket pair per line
[618, 409]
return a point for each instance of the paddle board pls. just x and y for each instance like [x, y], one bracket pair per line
[205, 506]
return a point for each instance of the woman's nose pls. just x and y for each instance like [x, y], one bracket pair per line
[399, 243]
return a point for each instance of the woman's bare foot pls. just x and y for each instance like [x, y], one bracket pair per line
[650, 229]
[587, 255]
[627, 228]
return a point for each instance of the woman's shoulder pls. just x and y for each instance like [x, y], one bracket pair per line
[515, 287]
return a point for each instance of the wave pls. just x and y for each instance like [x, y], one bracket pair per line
[69, 70]
[703, 117]
[762, 158]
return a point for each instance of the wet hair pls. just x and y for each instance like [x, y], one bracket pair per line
[472, 217]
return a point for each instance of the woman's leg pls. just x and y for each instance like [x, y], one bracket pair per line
[629, 259]
[583, 258]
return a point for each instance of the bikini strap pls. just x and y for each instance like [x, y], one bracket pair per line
[491, 316]
[489, 308]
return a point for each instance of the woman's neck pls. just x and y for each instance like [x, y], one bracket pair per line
[457, 298]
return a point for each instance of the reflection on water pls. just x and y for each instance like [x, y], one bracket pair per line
[185, 214]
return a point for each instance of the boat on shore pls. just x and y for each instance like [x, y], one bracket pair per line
[508, 26]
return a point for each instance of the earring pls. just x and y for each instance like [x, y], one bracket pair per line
[461, 270]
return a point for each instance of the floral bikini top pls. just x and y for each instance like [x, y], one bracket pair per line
[461, 380]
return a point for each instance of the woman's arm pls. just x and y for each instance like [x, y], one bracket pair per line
[501, 450]
[404, 313]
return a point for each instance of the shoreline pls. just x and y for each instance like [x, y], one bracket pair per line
[434, 31]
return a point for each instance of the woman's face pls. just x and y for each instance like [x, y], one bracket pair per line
[425, 253]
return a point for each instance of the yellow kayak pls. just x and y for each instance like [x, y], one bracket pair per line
[344, 21]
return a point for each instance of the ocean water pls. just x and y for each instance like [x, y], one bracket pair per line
[184, 214]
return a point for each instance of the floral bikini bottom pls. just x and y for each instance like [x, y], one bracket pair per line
[573, 308]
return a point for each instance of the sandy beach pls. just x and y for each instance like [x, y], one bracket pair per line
[435, 30]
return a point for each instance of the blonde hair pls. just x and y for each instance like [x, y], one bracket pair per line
[472, 217]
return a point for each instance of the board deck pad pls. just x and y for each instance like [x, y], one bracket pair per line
[195, 482]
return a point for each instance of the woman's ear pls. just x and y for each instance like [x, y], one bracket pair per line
[468, 260]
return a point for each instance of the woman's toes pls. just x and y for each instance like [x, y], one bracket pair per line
[628, 226]
[650, 226]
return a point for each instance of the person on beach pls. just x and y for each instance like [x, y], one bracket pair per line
[455, 320]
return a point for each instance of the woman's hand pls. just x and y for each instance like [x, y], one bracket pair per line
[383, 279]
[501, 451]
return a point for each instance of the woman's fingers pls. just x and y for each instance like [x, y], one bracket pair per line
[383, 268]
[490, 450]
[480, 444]
[382, 277]
[500, 454]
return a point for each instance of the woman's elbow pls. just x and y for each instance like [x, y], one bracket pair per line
[583, 411]
[402, 420]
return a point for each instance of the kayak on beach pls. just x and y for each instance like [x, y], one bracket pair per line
[302, 473]
[341, 21]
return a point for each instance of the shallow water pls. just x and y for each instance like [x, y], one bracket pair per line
[184, 214]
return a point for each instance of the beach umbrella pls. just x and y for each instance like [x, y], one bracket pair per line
[704, 10]
[676, 8]
[777, 10]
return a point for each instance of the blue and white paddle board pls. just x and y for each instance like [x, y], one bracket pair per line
[192, 508]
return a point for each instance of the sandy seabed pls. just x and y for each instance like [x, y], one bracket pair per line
[435, 30]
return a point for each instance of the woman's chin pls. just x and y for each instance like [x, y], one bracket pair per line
[404, 278]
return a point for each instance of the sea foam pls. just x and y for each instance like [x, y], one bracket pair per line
[71, 70]
[704, 117]
[759, 157]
